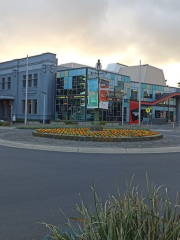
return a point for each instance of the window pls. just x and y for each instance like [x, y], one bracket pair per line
[3, 83]
[35, 106]
[35, 80]
[9, 82]
[78, 84]
[24, 81]
[30, 80]
[29, 106]
[23, 106]
[157, 95]
[147, 93]
[134, 94]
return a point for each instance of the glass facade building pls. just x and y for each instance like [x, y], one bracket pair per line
[72, 97]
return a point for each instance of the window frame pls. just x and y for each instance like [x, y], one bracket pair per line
[3, 83]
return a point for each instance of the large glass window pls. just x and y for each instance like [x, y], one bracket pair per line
[78, 84]
[30, 80]
[164, 114]
[70, 109]
[74, 85]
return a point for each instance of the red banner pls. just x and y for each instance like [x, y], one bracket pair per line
[103, 94]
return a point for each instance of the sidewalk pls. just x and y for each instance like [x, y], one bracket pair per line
[12, 137]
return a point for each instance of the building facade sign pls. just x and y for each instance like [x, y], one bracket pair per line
[93, 93]
[104, 94]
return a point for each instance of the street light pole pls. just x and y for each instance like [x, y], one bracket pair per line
[44, 93]
[25, 120]
[140, 94]
[123, 108]
[98, 68]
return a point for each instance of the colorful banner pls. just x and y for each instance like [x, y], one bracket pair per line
[93, 93]
[103, 94]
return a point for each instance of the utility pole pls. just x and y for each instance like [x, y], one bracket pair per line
[25, 120]
[140, 94]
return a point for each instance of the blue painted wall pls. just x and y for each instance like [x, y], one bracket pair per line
[44, 66]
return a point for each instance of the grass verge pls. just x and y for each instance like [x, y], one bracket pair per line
[49, 126]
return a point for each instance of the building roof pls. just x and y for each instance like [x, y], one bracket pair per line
[149, 74]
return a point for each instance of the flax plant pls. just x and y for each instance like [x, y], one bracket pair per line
[131, 217]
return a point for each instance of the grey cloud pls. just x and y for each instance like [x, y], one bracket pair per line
[133, 29]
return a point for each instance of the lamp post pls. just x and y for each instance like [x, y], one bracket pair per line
[44, 93]
[25, 119]
[123, 108]
[98, 68]
[140, 94]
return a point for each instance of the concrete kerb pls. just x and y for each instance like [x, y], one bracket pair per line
[89, 150]
[97, 139]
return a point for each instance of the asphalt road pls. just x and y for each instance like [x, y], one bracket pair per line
[35, 184]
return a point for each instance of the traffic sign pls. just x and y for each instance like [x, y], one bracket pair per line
[148, 110]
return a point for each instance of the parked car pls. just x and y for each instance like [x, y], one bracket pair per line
[1, 120]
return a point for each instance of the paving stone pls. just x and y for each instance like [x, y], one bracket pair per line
[171, 139]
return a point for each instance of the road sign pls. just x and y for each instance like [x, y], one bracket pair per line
[148, 110]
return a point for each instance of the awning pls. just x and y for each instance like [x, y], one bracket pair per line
[6, 97]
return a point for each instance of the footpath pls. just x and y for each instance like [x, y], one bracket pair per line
[23, 139]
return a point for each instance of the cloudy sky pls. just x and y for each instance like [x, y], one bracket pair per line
[83, 31]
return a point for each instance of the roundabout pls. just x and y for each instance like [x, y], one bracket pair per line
[106, 135]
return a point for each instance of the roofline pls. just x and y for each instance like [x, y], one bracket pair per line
[94, 69]
[28, 57]
[121, 64]
[154, 84]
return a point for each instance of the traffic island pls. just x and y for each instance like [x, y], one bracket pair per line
[106, 135]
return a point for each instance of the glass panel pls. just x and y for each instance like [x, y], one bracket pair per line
[35, 80]
[35, 106]
[9, 82]
[3, 83]
[29, 83]
[29, 106]
[134, 95]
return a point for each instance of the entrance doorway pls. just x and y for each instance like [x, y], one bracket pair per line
[5, 110]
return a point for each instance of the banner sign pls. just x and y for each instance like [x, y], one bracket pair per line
[93, 93]
[103, 94]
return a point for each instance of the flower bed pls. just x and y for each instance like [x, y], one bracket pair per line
[106, 133]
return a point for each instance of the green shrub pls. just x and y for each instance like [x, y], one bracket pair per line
[131, 217]
[5, 124]
[67, 122]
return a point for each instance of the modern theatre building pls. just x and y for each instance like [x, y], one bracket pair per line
[66, 91]
[72, 94]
